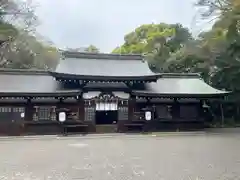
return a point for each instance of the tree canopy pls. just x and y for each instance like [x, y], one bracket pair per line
[214, 53]
[157, 41]
[89, 49]
[21, 46]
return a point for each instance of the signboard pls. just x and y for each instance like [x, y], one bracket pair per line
[148, 115]
[62, 116]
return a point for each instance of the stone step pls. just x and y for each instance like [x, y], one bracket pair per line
[106, 128]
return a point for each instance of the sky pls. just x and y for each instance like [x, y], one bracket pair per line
[103, 23]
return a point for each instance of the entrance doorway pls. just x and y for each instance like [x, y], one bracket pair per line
[106, 117]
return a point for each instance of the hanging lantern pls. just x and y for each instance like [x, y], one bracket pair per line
[148, 115]
[62, 116]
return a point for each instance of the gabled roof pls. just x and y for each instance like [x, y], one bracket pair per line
[30, 83]
[101, 66]
[179, 85]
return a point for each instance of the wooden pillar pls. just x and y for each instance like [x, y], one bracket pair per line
[176, 114]
[200, 110]
[222, 114]
[81, 109]
[154, 117]
[238, 111]
[59, 105]
[175, 109]
[28, 116]
[131, 106]
[29, 111]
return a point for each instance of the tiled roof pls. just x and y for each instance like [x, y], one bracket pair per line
[104, 65]
[179, 85]
[29, 82]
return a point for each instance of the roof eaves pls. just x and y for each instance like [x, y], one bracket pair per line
[180, 95]
[41, 94]
[106, 78]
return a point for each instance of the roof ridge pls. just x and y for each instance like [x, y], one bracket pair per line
[108, 56]
[180, 75]
[23, 71]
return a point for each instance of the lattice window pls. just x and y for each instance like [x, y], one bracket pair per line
[89, 113]
[89, 103]
[43, 113]
[123, 113]
[5, 109]
[35, 117]
[35, 113]
[53, 114]
[18, 109]
[11, 113]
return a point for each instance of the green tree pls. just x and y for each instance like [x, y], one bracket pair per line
[226, 12]
[156, 41]
[222, 49]
[91, 49]
[20, 13]
[22, 47]
[27, 52]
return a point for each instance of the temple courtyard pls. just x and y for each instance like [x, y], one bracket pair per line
[193, 156]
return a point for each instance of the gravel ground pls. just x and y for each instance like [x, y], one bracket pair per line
[185, 157]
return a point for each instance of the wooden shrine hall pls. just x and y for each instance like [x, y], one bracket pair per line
[101, 93]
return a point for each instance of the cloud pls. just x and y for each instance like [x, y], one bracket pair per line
[77, 23]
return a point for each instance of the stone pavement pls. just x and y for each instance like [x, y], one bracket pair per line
[203, 132]
[107, 135]
[121, 157]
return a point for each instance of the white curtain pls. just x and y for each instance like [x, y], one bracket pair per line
[106, 106]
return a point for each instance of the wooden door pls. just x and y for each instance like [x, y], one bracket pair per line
[15, 125]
